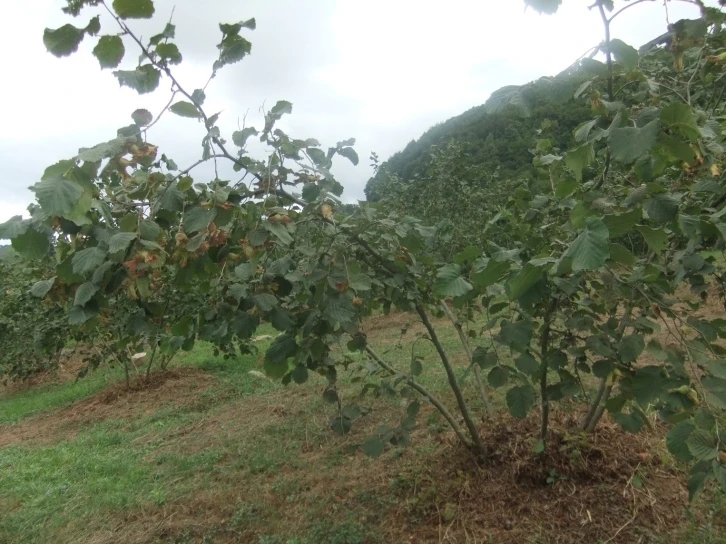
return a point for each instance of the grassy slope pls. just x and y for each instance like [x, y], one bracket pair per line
[225, 456]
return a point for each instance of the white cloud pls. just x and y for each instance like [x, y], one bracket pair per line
[382, 71]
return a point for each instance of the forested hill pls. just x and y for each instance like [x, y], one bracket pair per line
[498, 134]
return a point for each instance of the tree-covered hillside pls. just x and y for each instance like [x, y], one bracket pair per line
[497, 135]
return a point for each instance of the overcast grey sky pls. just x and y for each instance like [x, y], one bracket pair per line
[381, 71]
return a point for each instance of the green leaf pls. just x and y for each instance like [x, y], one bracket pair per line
[198, 97]
[232, 49]
[676, 439]
[631, 422]
[245, 271]
[15, 226]
[237, 291]
[281, 319]
[299, 374]
[239, 137]
[648, 383]
[715, 391]
[621, 254]
[681, 117]
[257, 237]
[102, 151]
[657, 239]
[78, 315]
[280, 108]
[413, 408]
[41, 288]
[340, 424]
[544, 6]
[57, 196]
[484, 358]
[602, 368]
[331, 396]
[373, 446]
[621, 223]
[565, 187]
[84, 293]
[520, 400]
[582, 88]
[185, 109]
[579, 158]
[498, 376]
[630, 348]
[282, 348]
[87, 260]
[702, 445]
[280, 232]
[719, 472]
[236, 27]
[360, 282]
[142, 117]
[171, 199]
[350, 154]
[492, 273]
[169, 52]
[339, 310]
[94, 26]
[717, 368]
[636, 196]
[109, 51]
[583, 130]
[594, 67]
[590, 249]
[317, 156]
[264, 301]
[185, 183]
[416, 367]
[625, 54]
[527, 364]
[528, 276]
[145, 79]
[450, 283]
[120, 241]
[149, 230]
[134, 9]
[244, 325]
[517, 333]
[31, 244]
[661, 208]
[695, 484]
[197, 218]
[677, 148]
[630, 143]
[63, 41]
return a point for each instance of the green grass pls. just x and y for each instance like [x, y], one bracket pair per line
[83, 484]
[21, 404]
[232, 373]
[112, 465]
[242, 460]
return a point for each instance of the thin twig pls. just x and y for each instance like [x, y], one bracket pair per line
[461, 435]
[463, 407]
[470, 356]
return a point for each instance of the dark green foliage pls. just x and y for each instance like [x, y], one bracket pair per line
[31, 334]
[494, 139]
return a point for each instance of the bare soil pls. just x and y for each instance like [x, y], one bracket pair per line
[175, 387]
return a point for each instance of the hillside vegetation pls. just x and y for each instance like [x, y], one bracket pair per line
[496, 137]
